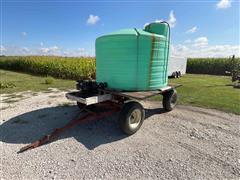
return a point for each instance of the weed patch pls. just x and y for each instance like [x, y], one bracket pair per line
[4, 85]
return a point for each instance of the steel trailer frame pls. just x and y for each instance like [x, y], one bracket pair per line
[116, 96]
[113, 101]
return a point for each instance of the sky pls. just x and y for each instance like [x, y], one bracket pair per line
[199, 28]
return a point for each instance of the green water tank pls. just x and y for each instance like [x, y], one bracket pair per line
[134, 59]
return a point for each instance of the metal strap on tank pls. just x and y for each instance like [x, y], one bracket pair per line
[151, 61]
[137, 57]
[168, 46]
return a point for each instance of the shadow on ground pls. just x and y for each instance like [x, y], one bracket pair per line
[31, 126]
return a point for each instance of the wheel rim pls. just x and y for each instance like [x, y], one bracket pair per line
[173, 99]
[135, 118]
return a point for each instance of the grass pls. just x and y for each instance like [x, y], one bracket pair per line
[207, 91]
[25, 82]
[49, 80]
[4, 85]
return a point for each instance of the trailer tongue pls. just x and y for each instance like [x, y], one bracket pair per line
[89, 116]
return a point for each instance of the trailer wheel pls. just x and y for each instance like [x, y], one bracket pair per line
[169, 100]
[174, 75]
[131, 117]
[177, 74]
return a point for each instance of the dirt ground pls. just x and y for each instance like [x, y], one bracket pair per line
[187, 143]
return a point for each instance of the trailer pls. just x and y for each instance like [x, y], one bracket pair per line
[132, 113]
[117, 86]
[176, 66]
[98, 102]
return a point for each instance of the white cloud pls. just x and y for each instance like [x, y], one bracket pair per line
[44, 50]
[25, 50]
[77, 52]
[223, 4]
[92, 19]
[207, 51]
[2, 48]
[185, 50]
[23, 34]
[81, 49]
[172, 19]
[200, 42]
[53, 50]
[41, 43]
[188, 41]
[16, 50]
[199, 47]
[192, 30]
[12, 50]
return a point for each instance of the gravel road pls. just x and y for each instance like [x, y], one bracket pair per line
[187, 143]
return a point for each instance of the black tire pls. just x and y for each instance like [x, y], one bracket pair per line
[169, 99]
[174, 75]
[131, 117]
[177, 74]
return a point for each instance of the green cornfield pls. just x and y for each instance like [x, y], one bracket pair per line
[75, 68]
[214, 66]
